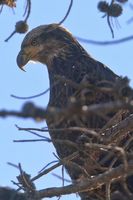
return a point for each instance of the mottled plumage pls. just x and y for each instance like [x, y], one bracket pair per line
[65, 57]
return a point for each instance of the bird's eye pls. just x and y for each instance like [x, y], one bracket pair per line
[34, 42]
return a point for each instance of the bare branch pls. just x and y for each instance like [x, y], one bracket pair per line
[91, 184]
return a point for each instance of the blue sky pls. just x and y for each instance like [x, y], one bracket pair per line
[84, 21]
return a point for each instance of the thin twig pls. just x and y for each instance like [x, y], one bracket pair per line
[36, 134]
[59, 177]
[6, 40]
[30, 97]
[33, 140]
[55, 161]
[75, 129]
[28, 10]
[109, 24]
[37, 95]
[67, 13]
[46, 171]
[103, 43]
[13, 165]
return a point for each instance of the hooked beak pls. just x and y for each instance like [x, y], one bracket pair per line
[22, 59]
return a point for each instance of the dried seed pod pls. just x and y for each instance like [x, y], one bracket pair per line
[115, 10]
[103, 6]
[21, 27]
[28, 108]
[10, 3]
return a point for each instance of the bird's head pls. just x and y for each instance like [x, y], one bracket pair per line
[43, 43]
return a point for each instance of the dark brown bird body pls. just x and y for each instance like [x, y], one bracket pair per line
[75, 68]
[69, 64]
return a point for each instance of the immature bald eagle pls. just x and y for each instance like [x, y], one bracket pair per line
[64, 57]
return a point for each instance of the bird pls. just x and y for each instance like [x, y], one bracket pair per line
[70, 67]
